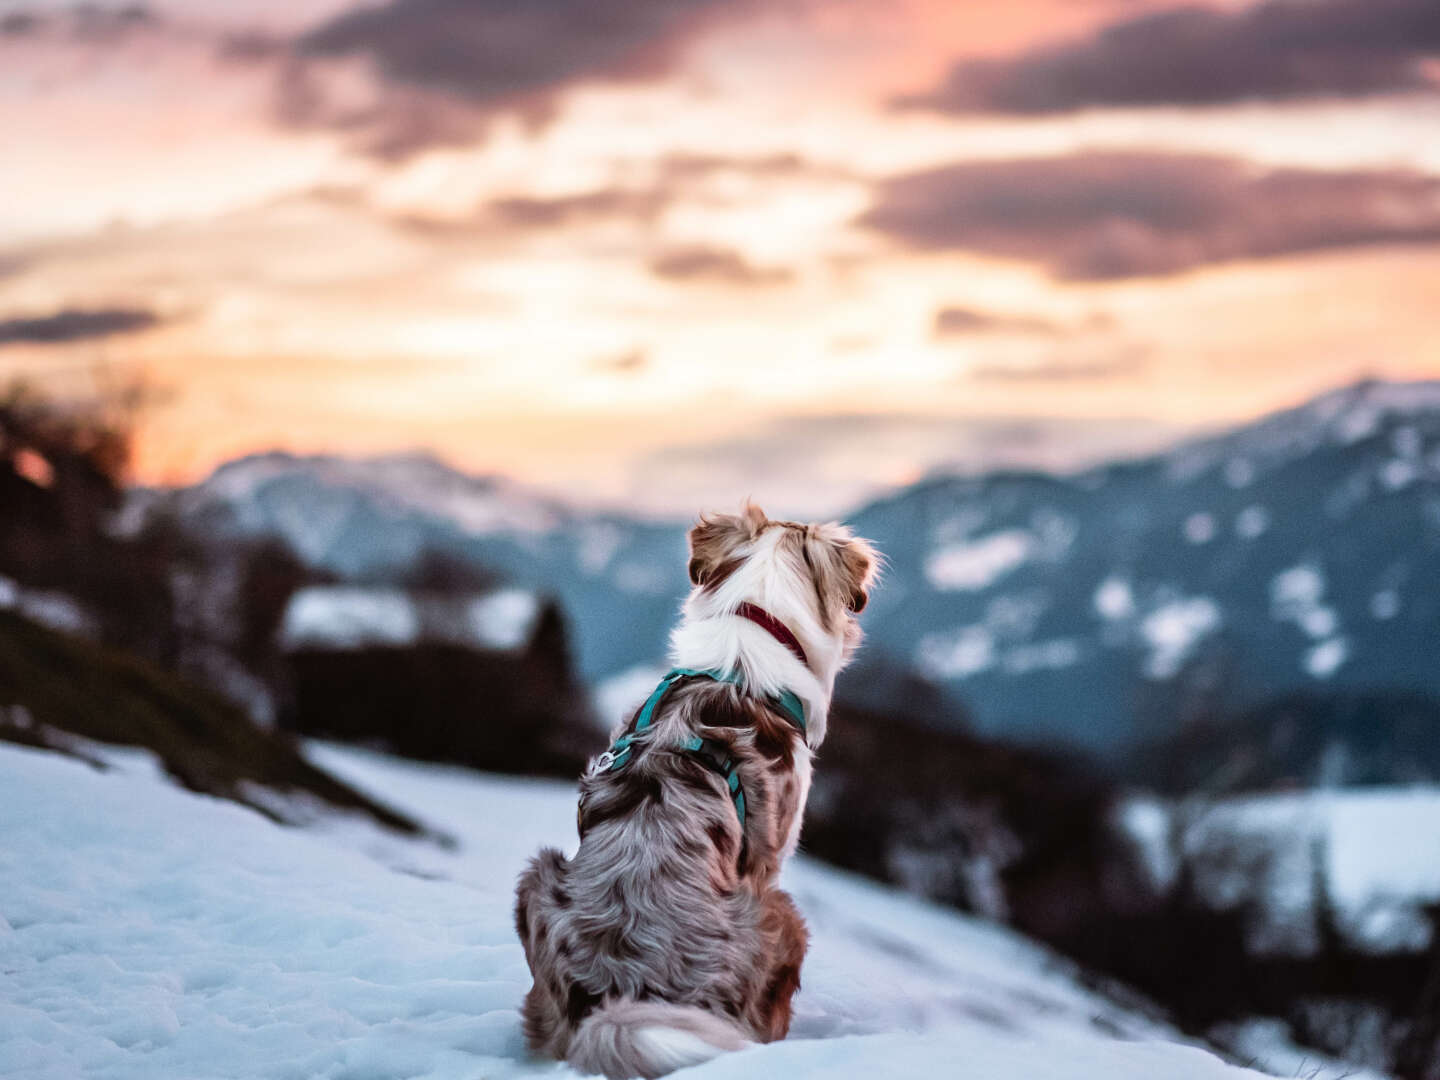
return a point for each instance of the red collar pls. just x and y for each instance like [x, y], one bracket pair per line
[778, 630]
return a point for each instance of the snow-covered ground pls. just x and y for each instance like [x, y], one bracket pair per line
[150, 933]
[1375, 850]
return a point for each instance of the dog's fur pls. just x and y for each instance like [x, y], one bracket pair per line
[665, 940]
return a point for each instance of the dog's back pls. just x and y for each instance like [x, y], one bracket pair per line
[664, 942]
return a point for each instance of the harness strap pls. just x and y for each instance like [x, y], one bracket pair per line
[711, 752]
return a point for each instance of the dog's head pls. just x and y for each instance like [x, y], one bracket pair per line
[791, 568]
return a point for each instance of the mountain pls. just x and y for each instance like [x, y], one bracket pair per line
[1295, 554]
[196, 938]
[381, 520]
[1290, 556]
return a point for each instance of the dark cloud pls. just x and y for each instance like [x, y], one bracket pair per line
[20, 24]
[1114, 215]
[1277, 50]
[75, 324]
[673, 178]
[680, 168]
[488, 55]
[393, 125]
[640, 204]
[91, 23]
[698, 263]
[14, 262]
[251, 47]
[960, 321]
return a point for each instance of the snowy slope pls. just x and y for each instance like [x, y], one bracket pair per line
[147, 932]
[1376, 851]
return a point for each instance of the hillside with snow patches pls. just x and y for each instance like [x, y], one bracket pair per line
[1293, 554]
[147, 932]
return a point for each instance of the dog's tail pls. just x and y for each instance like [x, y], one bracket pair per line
[625, 1039]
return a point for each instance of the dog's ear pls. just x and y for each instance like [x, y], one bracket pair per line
[714, 541]
[860, 563]
[844, 566]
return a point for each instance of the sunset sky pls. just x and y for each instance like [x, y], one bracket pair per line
[661, 251]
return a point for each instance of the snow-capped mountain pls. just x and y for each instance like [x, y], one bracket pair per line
[1295, 554]
[1299, 553]
[376, 520]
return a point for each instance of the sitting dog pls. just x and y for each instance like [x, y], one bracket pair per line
[665, 940]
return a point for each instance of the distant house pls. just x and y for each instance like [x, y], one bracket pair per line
[479, 679]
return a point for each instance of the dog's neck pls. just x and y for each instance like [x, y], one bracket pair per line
[714, 635]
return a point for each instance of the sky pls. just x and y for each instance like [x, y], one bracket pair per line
[665, 253]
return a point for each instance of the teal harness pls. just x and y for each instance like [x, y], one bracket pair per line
[714, 754]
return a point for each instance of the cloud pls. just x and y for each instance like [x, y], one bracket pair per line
[671, 179]
[640, 204]
[630, 362]
[698, 263]
[961, 321]
[1099, 215]
[806, 465]
[1124, 360]
[1277, 50]
[478, 57]
[88, 23]
[75, 324]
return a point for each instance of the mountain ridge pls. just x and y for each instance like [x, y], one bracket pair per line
[1281, 555]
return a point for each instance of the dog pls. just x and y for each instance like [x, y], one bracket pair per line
[665, 941]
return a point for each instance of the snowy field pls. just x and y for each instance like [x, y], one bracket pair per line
[1376, 850]
[148, 933]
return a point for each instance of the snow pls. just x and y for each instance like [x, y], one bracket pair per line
[1239, 473]
[1318, 622]
[979, 563]
[1252, 522]
[402, 483]
[958, 655]
[1267, 1039]
[57, 610]
[149, 932]
[1398, 473]
[620, 695]
[1114, 599]
[596, 543]
[646, 579]
[1296, 589]
[1379, 851]
[1385, 604]
[352, 617]
[1199, 528]
[1147, 823]
[1325, 659]
[1049, 655]
[349, 617]
[1173, 630]
[504, 619]
[1341, 417]
[1295, 597]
